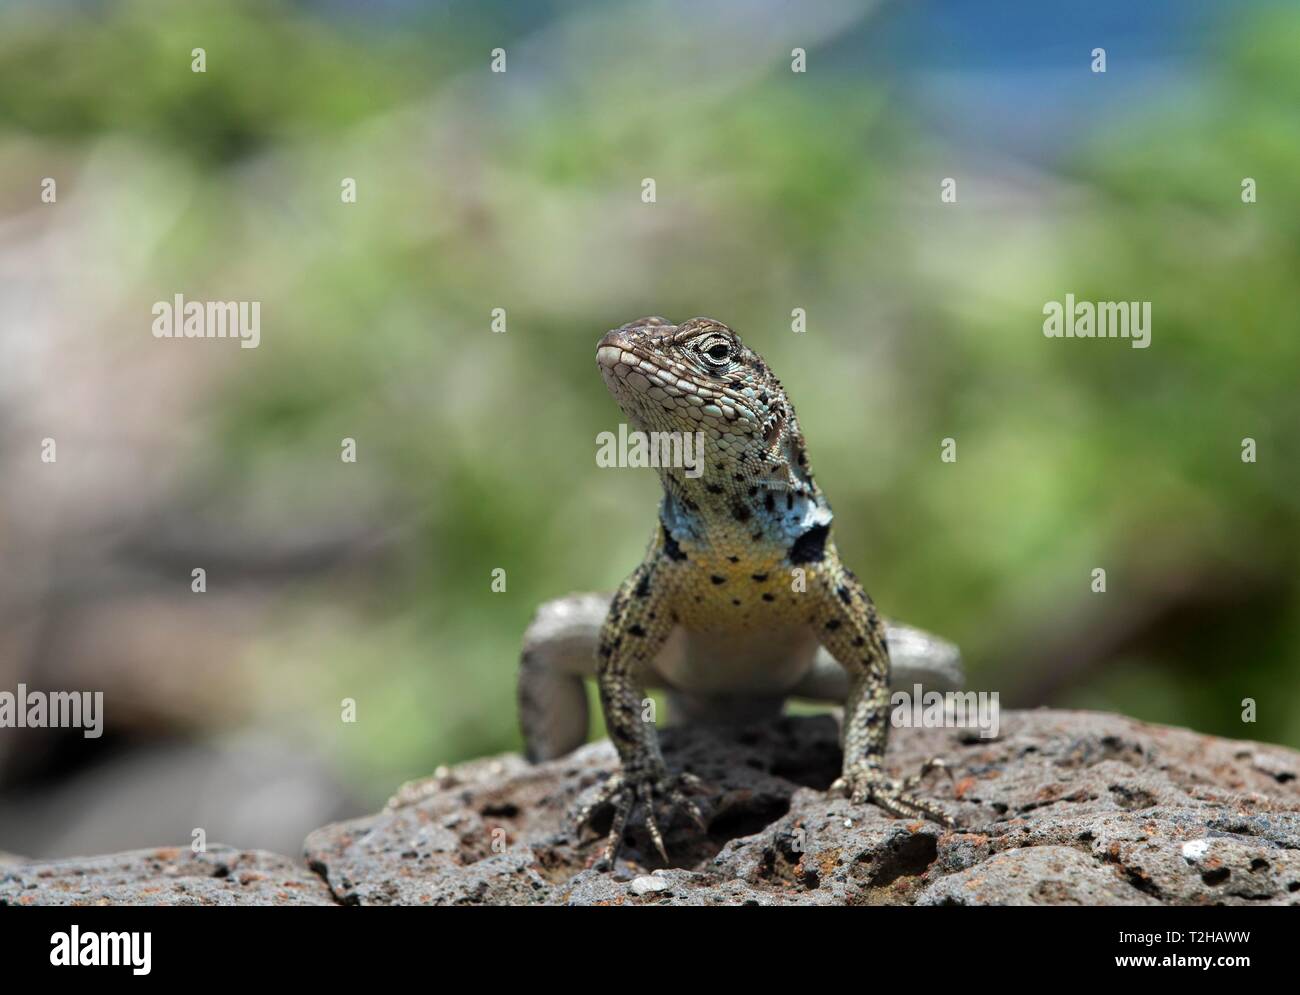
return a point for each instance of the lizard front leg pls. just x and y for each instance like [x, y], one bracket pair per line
[638, 623]
[852, 632]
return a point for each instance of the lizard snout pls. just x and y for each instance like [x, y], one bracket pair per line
[611, 348]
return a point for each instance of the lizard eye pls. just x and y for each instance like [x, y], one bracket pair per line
[718, 352]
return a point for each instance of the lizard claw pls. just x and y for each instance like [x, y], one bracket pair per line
[912, 781]
[866, 782]
[624, 792]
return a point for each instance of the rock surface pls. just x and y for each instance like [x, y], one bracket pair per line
[170, 876]
[1064, 808]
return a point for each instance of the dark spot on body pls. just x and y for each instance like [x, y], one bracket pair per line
[843, 592]
[717, 580]
[636, 630]
[713, 488]
[811, 546]
[769, 597]
[759, 577]
[740, 513]
[859, 641]
[789, 500]
[769, 502]
[833, 624]
[671, 549]
[735, 601]
[643, 586]
[733, 559]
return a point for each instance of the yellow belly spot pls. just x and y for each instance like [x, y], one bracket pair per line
[722, 590]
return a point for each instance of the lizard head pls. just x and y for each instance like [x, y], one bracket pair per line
[699, 377]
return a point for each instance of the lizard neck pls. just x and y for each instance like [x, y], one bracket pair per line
[770, 497]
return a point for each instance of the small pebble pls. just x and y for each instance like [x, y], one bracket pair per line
[1194, 850]
[646, 884]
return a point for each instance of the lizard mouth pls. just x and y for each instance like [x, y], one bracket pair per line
[632, 367]
[617, 354]
[633, 372]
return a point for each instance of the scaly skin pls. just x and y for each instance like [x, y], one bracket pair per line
[744, 547]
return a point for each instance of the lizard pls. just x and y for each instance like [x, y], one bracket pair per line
[740, 601]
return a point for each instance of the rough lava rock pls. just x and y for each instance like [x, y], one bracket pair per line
[171, 876]
[1064, 808]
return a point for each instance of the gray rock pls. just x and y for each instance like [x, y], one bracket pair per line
[170, 876]
[1065, 808]
[1035, 875]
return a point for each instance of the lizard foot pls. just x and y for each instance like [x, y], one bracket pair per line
[866, 782]
[624, 791]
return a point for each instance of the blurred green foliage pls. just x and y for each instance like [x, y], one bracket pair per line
[522, 191]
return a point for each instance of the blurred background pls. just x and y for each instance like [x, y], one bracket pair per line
[475, 451]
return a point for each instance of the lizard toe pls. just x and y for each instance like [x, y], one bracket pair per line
[644, 792]
[867, 784]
